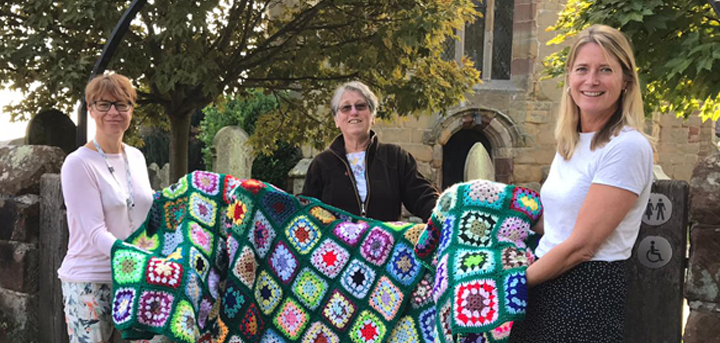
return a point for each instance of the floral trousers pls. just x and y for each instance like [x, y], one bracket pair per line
[88, 313]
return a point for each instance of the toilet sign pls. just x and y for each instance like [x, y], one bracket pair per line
[654, 252]
[658, 210]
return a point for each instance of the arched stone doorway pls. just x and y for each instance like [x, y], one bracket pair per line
[458, 132]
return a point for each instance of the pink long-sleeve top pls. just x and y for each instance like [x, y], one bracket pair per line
[96, 211]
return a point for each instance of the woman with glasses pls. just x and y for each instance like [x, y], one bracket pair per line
[359, 174]
[107, 194]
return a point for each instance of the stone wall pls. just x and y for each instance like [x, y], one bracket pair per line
[702, 287]
[682, 143]
[20, 168]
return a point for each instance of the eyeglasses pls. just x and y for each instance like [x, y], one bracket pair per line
[358, 107]
[104, 106]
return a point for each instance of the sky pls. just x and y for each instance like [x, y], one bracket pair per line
[9, 130]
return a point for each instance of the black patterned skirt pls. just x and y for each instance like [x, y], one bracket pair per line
[585, 304]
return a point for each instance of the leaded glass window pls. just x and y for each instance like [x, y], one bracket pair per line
[502, 39]
[475, 37]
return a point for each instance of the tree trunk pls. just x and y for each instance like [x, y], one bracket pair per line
[179, 140]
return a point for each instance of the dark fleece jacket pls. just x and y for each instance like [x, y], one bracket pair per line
[392, 178]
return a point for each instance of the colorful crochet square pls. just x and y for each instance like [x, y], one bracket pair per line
[252, 324]
[155, 308]
[262, 234]
[208, 183]
[123, 303]
[527, 201]
[427, 325]
[339, 310]
[319, 333]
[350, 233]
[403, 266]
[310, 288]
[183, 324]
[164, 273]
[229, 188]
[303, 234]
[368, 329]
[322, 215]
[128, 266]
[515, 293]
[271, 336]
[235, 260]
[253, 186]
[377, 246]
[174, 213]
[267, 293]
[484, 193]
[245, 267]
[405, 331]
[291, 319]
[199, 263]
[283, 263]
[477, 303]
[176, 190]
[475, 228]
[469, 262]
[357, 278]
[203, 209]
[146, 242]
[279, 207]
[238, 213]
[329, 258]
[386, 298]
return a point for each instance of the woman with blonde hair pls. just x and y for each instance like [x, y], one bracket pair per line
[107, 193]
[594, 197]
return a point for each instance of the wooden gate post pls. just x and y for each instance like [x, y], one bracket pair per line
[656, 269]
[53, 247]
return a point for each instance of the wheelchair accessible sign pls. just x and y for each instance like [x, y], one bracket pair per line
[654, 252]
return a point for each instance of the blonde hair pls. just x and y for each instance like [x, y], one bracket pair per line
[630, 110]
[114, 85]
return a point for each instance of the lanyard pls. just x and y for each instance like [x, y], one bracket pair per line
[130, 200]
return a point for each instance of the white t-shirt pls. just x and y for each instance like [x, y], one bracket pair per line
[624, 162]
[96, 211]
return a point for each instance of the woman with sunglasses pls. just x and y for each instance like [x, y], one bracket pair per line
[107, 194]
[359, 174]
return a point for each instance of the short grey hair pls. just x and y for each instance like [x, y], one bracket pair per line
[356, 86]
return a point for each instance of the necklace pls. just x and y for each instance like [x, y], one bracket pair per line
[130, 199]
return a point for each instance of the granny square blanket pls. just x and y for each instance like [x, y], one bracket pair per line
[221, 259]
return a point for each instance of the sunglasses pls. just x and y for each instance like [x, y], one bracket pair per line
[358, 107]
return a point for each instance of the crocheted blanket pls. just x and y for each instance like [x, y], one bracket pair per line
[226, 260]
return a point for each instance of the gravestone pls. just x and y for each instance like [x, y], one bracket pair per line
[232, 155]
[159, 177]
[478, 164]
[297, 175]
[52, 128]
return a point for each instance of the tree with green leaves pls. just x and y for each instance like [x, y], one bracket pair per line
[183, 55]
[677, 48]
